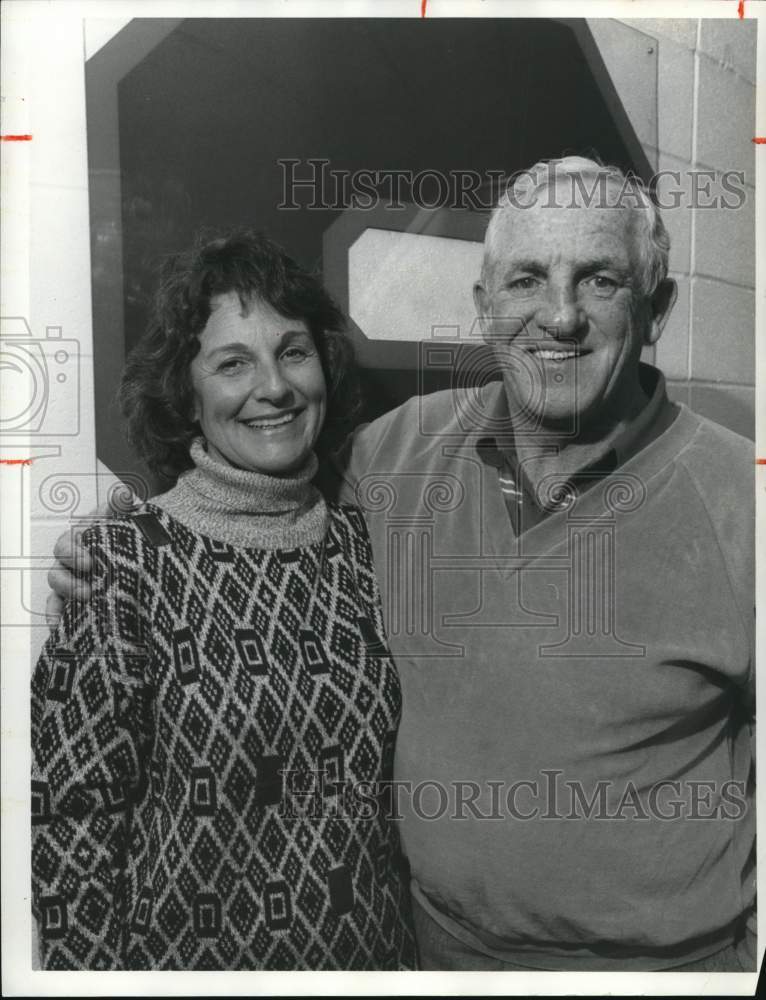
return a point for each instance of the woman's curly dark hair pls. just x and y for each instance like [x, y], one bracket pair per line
[156, 391]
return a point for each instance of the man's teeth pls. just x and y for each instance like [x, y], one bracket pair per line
[265, 424]
[555, 355]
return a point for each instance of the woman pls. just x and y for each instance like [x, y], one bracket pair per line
[210, 732]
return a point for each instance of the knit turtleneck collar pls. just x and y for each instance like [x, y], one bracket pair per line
[247, 509]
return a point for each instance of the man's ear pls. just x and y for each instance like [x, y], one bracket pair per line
[481, 301]
[662, 303]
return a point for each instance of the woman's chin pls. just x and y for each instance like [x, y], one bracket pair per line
[275, 461]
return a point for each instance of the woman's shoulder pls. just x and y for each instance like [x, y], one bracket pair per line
[348, 533]
[126, 536]
[348, 518]
[136, 536]
[123, 576]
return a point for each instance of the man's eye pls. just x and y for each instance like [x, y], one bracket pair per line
[602, 284]
[525, 284]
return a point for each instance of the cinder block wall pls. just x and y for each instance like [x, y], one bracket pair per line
[706, 120]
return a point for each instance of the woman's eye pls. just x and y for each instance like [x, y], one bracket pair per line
[295, 353]
[231, 365]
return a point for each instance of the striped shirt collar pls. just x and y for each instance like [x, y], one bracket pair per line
[499, 451]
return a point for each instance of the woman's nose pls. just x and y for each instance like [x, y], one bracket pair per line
[561, 314]
[271, 385]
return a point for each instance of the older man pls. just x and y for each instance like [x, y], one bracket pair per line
[566, 559]
[584, 665]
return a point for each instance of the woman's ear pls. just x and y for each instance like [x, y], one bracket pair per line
[662, 303]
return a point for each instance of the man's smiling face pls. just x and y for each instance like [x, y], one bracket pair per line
[564, 312]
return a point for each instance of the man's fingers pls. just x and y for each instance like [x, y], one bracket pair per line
[69, 578]
[54, 607]
[66, 586]
[69, 549]
[71, 553]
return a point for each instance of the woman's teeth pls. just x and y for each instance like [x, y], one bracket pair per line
[266, 424]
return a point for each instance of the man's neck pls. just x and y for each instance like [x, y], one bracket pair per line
[542, 452]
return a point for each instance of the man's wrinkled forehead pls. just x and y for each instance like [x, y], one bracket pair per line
[552, 227]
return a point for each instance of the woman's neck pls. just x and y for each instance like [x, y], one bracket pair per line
[247, 509]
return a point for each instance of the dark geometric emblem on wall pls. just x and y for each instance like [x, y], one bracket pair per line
[207, 915]
[219, 551]
[268, 782]
[185, 656]
[373, 644]
[202, 791]
[53, 914]
[142, 912]
[341, 889]
[62, 674]
[251, 650]
[312, 651]
[278, 905]
[41, 803]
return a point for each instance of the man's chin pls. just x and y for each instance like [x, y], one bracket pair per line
[554, 422]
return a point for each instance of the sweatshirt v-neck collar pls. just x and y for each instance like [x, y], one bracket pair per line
[528, 506]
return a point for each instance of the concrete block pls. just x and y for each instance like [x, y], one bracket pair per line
[683, 31]
[726, 119]
[675, 100]
[679, 392]
[722, 332]
[672, 349]
[674, 197]
[731, 42]
[630, 58]
[731, 405]
[649, 354]
[724, 242]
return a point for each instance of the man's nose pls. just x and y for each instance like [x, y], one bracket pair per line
[561, 314]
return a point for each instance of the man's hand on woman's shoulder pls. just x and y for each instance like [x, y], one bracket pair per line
[69, 576]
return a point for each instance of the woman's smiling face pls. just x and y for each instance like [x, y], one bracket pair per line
[259, 389]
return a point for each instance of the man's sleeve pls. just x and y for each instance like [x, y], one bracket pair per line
[90, 733]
